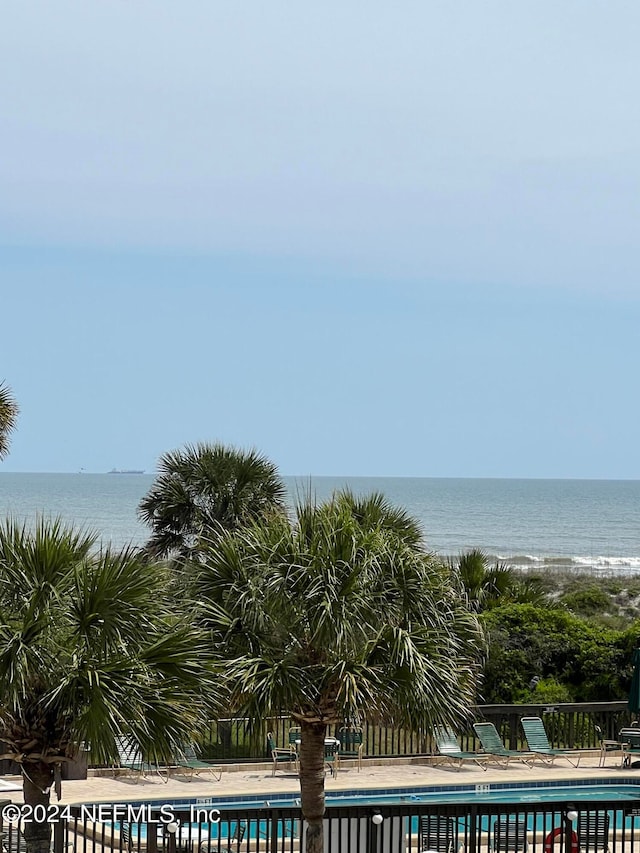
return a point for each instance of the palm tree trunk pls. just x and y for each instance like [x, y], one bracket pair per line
[37, 779]
[312, 783]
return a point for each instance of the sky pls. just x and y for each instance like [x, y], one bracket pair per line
[366, 239]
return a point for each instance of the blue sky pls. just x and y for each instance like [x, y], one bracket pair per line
[367, 239]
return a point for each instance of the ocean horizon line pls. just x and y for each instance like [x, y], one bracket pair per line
[143, 472]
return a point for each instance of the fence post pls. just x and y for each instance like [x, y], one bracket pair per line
[473, 826]
[568, 816]
[58, 835]
[273, 835]
[172, 829]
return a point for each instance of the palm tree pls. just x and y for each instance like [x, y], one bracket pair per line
[8, 416]
[90, 648]
[203, 488]
[487, 586]
[334, 615]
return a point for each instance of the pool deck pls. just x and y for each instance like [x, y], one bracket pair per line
[244, 780]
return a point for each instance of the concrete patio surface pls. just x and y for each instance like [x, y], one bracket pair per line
[244, 780]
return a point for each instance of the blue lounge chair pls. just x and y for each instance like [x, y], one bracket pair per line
[233, 844]
[449, 750]
[12, 837]
[509, 834]
[630, 741]
[438, 833]
[332, 756]
[187, 761]
[351, 744]
[281, 755]
[609, 746]
[295, 736]
[492, 744]
[130, 761]
[538, 742]
[593, 832]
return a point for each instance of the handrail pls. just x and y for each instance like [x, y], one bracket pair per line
[569, 725]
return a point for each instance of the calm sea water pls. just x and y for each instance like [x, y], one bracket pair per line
[592, 524]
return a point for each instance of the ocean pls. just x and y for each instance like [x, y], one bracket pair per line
[570, 524]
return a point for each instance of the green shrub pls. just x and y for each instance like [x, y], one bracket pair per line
[573, 658]
[548, 691]
[589, 601]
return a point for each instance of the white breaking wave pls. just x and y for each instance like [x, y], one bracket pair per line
[599, 564]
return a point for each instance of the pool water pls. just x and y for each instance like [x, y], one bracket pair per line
[498, 793]
[522, 794]
[560, 793]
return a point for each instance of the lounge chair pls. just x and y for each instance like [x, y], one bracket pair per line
[538, 742]
[332, 756]
[450, 752]
[593, 832]
[351, 744]
[492, 744]
[280, 755]
[13, 840]
[126, 841]
[509, 834]
[438, 833]
[295, 736]
[233, 843]
[130, 761]
[608, 746]
[187, 761]
[630, 741]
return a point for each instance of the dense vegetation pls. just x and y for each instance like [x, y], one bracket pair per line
[547, 654]
[613, 600]
[575, 645]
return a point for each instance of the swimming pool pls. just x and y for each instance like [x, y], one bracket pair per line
[526, 798]
[497, 793]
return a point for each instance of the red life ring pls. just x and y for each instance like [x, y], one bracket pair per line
[556, 833]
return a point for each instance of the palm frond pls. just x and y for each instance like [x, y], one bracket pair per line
[206, 487]
[9, 411]
[92, 645]
[338, 613]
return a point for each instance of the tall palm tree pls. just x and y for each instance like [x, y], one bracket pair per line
[205, 487]
[90, 648]
[338, 614]
[8, 416]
